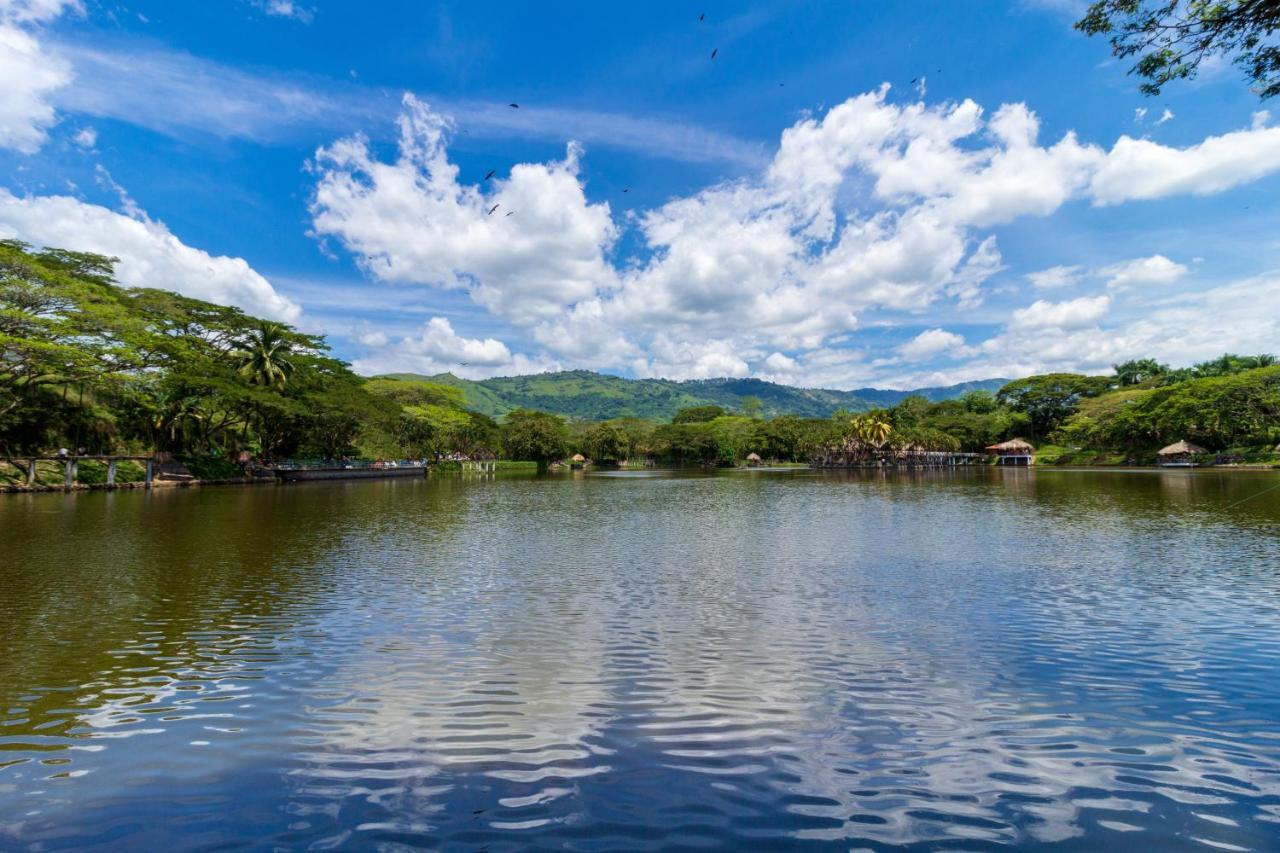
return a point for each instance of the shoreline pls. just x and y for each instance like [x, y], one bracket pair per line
[23, 489]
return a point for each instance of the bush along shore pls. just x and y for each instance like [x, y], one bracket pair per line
[91, 368]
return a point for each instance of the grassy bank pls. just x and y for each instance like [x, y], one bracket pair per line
[1250, 455]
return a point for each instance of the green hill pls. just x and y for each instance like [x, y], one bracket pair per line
[585, 395]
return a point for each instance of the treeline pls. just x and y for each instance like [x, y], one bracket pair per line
[1229, 404]
[88, 365]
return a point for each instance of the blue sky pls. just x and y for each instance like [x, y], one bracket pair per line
[848, 194]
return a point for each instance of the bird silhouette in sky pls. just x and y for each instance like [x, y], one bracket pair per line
[490, 175]
[514, 106]
[492, 209]
[509, 212]
[714, 52]
[626, 189]
[702, 17]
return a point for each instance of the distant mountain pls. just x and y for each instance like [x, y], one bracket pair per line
[586, 395]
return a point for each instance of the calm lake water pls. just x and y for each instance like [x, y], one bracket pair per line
[1044, 659]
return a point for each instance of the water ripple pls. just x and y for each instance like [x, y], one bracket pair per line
[960, 661]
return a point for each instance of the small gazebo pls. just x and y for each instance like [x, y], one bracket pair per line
[577, 461]
[753, 460]
[1180, 454]
[1015, 451]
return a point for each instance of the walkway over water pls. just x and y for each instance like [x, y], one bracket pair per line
[896, 459]
[71, 467]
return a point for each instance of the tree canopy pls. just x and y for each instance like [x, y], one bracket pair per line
[1171, 39]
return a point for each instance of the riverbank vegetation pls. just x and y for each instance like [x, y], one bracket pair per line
[94, 367]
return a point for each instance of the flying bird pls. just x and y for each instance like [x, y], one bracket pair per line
[702, 17]
[626, 189]
[514, 106]
[714, 52]
[509, 212]
[914, 79]
[492, 209]
[490, 175]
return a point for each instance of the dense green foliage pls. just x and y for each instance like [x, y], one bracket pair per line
[588, 396]
[1237, 409]
[1171, 38]
[87, 364]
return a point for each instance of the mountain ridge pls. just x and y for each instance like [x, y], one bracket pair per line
[587, 395]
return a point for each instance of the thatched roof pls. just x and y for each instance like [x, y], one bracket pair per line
[578, 457]
[754, 457]
[1013, 445]
[1181, 448]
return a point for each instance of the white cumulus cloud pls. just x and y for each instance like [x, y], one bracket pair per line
[1142, 169]
[438, 349]
[150, 254]
[29, 73]
[872, 209]
[1070, 314]
[527, 245]
[930, 343]
[1139, 272]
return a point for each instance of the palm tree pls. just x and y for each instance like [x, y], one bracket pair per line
[871, 429]
[1138, 370]
[264, 356]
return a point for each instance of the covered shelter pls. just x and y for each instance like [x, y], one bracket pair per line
[577, 461]
[753, 460]
[1180, 454]
[1015, 451]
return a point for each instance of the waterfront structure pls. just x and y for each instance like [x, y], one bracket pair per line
[1015, 451]
[1180, 454]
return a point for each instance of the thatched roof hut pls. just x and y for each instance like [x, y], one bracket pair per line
[578, 457]
[1015, 451]
[1012, 447]
[1180, 448]
[753, 459]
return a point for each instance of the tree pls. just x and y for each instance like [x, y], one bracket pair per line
[1047, 400]
[734, 438]
[535, 436]
[751, 406]
[63, 329]
[264, 356]
[697, 415]
[1171, 38]
[909, 411]
[979, 402]
[605, 442]
[686, 443]
[873, 428]
[1137, 371]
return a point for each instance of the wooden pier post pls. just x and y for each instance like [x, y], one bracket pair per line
[70, 479]
[31, 473]
[111, 473]
[150, 464]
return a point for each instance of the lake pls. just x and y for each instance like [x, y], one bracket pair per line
[1056, 660]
